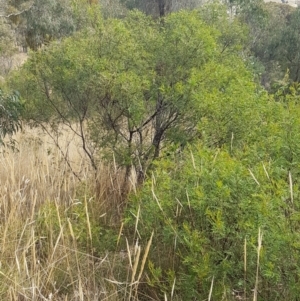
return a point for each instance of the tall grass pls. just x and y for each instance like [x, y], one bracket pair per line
[50, 210]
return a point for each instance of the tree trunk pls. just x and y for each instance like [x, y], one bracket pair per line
[161, 7]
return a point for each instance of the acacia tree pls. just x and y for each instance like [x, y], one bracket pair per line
[132, 87]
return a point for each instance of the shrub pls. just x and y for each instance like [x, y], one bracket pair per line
[206, 209]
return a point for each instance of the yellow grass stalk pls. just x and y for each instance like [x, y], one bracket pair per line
[34, 267]
[266, 172]
[137, 221]
[245, 269]
[135, 266]
[193, 160]
[211, 288]
[291, 188]
[252, 175]
[88, 218]
[120, 233]
[129, 254]
[145, 256]
[259, 241]
[156, 199]
[134, 270]
[173, 288]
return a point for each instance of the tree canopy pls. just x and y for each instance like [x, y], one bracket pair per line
[141, 85]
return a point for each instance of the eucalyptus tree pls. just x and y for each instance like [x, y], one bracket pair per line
[37, 22]
[44, 21]
[7, 46]
[10, 116]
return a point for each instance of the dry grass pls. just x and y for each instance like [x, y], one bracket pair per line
[47, 225]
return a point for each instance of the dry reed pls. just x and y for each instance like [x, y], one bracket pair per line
[41, 257]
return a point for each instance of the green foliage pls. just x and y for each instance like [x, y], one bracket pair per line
[202, 206]
[228, 105]
[289, 56]
[7, 46]
[10, 120]
[6, 39]
[39, 22]
[205, 207]
[274, 40]
[140, 85]
[233, 34]
[48, 20]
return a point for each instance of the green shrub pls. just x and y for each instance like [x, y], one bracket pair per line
[206, 209]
